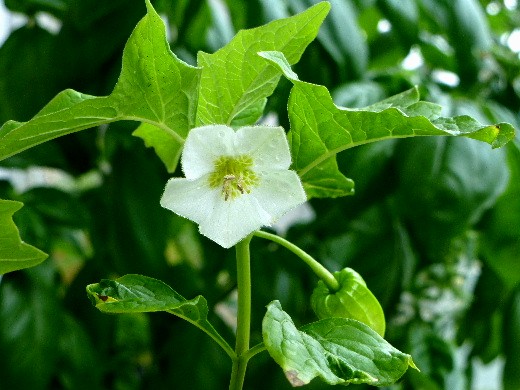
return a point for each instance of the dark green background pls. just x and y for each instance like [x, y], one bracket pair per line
[434, 227]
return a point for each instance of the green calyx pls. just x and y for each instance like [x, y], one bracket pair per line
[234, 175]
[353, 300]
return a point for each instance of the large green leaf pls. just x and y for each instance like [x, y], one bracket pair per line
[235, 82]
[320, 129]
[141, 294]
[337, 350]
[154, 87]
[14, 253]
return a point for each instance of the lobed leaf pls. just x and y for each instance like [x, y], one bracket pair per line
[14, 253]
[154, 87]
[235, 82]
[337, 350]
[142, 294]
[320, 129]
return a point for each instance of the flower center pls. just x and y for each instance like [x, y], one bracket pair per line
[234, 175]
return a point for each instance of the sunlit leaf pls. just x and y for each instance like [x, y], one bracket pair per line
[320, 129]
[235, 80]
[154, 87]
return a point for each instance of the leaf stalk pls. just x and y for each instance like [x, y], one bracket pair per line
[323, 273]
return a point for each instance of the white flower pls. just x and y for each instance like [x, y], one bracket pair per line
[236, 181]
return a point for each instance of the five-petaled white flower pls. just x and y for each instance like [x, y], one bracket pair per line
[236, 181]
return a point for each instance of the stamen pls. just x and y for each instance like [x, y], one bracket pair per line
[233, 175]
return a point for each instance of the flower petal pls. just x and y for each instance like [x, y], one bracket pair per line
[192, 199]
[267, 146]
[279, 192]
[203, 146]
[227, 221]
[233, 220]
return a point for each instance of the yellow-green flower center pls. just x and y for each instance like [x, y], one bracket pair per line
[234, 175]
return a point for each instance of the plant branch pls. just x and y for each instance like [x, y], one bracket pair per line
[323, 273]
[243, 315]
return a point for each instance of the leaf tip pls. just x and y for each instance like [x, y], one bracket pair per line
[150, 10]
[293, 378]
[325, 5]
[411, 363]
[97, 296]
[149, 6]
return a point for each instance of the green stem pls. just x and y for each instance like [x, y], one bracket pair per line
[323, 273]
[238, 371]
[255, 350]
[208, 329]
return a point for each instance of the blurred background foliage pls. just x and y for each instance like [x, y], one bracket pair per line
[434, 227]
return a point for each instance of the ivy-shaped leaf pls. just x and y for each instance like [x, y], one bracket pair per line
[14, 253]
[320, 129]
[235, 82]
[154, 87]
[336, 350]
[142, 294]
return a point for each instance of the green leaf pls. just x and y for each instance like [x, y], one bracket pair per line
[235, 80]
[154, 87]
[14, 253]
[141, 294]
[320, 129]
[337, 350]
[353, 300]
[162, 142]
